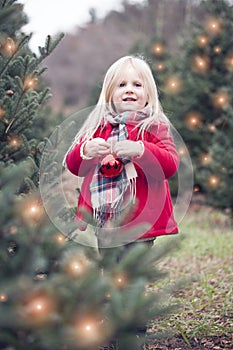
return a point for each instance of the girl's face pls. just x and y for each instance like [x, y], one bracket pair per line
[129, 93]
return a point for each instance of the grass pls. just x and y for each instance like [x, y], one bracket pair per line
[205, 315]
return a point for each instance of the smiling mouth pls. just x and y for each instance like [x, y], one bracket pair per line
[130, 99]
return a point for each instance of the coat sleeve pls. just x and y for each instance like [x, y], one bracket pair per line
[160, 158]
[76, 164]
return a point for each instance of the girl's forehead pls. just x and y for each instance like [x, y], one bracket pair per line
[129, 71]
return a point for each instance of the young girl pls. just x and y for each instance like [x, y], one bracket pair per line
[125, 153]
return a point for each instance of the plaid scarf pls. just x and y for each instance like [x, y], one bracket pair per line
[108, 194]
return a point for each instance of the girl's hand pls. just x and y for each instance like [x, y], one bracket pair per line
[96, 147]
[128, 148]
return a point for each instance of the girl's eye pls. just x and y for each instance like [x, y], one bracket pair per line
[138, 84]
[122, 84]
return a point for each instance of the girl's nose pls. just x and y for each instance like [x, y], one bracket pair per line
[129, 89]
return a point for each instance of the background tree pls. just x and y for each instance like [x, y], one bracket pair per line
[201, 101]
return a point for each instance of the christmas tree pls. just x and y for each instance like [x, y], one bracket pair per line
[198, 96]
[55, 293]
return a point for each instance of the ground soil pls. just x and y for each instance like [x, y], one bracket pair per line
[207, 343]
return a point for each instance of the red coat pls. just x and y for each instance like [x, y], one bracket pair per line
[159, 162]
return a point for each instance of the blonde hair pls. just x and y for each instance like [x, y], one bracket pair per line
[105, 105]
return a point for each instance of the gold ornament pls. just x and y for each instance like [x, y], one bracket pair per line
[89, 330]
[9, 47]
[214, 181]
[120, 280]
[76, 265]
[193, 120]
[30, 83]
[157, 49]
[200, 63]
[59, 238]
[173, 85]
[213, 26]
[182, 151]
[229, 61]
[3, 298]
[212, 127]
[37, 307]
[221, 99]
[202, 40]
[31, 209]
[217, 49]
[159, 67]
[13, 142]
[196, 189]
[205, 159]
[10, 92]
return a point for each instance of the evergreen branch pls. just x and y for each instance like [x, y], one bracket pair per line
[29, 185]
[20, 45]
[9, 3]
[6, 12]
[44, 96]
[16, 109]
[26, 115]
[50, 45]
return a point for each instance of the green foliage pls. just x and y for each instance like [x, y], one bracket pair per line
[12, 17]
[113, 302]
[21, 89]
[200, 103]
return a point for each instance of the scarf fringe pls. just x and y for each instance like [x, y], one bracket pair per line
[111, 211]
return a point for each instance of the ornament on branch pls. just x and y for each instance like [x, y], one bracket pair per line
[159, 67]
[182, 151]
[202, 40]
[12, 248]
[223, 169]
[205, 159]
[213, 26]
[193, 120]
[217, 50]
[37, 307]
[76, 264]
[89, 330]
[59, 238]
[31, 210]
[3, 298]
[221, 99]
[196, 189]
[40, 276]
[212, 128]
[229, 61]
[157, 49]
[108, 296]
[30, 83]
[200, 63]
[13, 230]
[173, 85]
[9, 47]
[14, 142]
[214, 181]
[10, 92]
[120, 280]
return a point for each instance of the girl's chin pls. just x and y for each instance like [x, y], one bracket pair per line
[127, 107]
